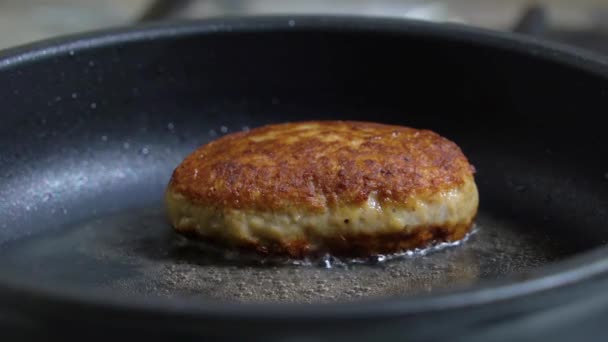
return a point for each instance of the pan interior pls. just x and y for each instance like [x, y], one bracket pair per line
[84, 161]
[136, 253]
[101, 225]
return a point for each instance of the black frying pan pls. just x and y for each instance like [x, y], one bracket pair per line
[93, 125]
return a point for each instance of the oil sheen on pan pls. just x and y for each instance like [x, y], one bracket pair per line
[307, 189]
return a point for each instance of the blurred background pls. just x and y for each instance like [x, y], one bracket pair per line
[578, 22]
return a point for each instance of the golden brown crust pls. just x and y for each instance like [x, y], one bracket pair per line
[346, 246]
[319, 164]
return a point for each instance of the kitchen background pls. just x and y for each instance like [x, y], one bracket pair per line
[582, 22]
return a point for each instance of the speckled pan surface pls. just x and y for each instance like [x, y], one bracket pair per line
[93, 125]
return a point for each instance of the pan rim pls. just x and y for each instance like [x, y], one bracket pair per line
[552, 277]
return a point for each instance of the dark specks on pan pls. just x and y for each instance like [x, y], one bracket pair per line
[160, 263]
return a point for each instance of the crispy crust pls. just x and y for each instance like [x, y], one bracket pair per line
[279, 189]
[318, 165]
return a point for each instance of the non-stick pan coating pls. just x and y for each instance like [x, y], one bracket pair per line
[91, 130]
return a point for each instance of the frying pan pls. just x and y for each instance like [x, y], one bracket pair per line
[93, 125]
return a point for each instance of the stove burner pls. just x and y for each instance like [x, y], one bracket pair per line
[535, 21]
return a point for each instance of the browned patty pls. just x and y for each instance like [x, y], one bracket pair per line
[349, 188]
